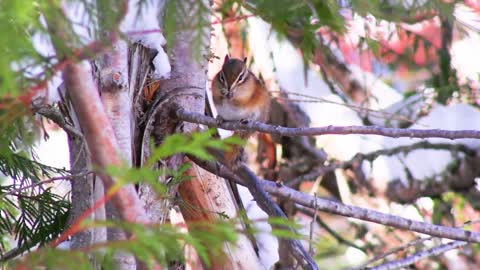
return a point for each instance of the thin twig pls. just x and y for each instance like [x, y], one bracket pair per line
[392, 251]
[403, 247]
[312, 225]
[327, 130]
[358, 158]
[46, 181]
[418, 256]
[356, 108]
[327, 228]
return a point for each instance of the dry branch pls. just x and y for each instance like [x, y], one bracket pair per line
[401, 248]
[419, 256]
[358, 158]
[328, 130]
[55, 115]
[337, 208]
[270, 207]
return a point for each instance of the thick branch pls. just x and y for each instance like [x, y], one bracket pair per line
[328, 130]
[345, 210]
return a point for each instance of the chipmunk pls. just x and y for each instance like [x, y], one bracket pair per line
[239, 96]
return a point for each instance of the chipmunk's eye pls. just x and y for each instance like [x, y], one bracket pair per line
[221, 78]
[241, 77]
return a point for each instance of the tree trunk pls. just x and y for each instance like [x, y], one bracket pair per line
[210, 195]
[186, 88]
[86, 188]
[113, 85]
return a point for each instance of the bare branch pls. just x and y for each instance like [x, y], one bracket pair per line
[337, 208]
[375, 154]
[420, 255]
[392, 251]
[265, 202]
[328, 130]
[53, 114]
[334, 234]
[46, 181]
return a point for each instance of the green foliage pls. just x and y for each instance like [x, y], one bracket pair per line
[20, 20]
[401, 11]
[17, 128]
[25, 170]
[109, 14]
[445, 81]
[32, 217]
[192, 16]
[29, 215]
[21, 65]
[158, 243]
[299, 20]
[146, 175]
[196, 144]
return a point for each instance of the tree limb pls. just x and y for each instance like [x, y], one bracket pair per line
[392, 251]
[337, 208]
[419, 255]
[375, 154]
[53, 114]
[327, 130]
[270, 207]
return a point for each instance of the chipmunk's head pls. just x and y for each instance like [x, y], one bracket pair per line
[233, 75]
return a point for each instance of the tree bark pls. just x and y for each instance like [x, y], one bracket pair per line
[186, 88]
[113, 85]
[210, 195]
[101, 140]
[85, 188]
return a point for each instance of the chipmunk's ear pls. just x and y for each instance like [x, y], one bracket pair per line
[226, 58]
[245, 59]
